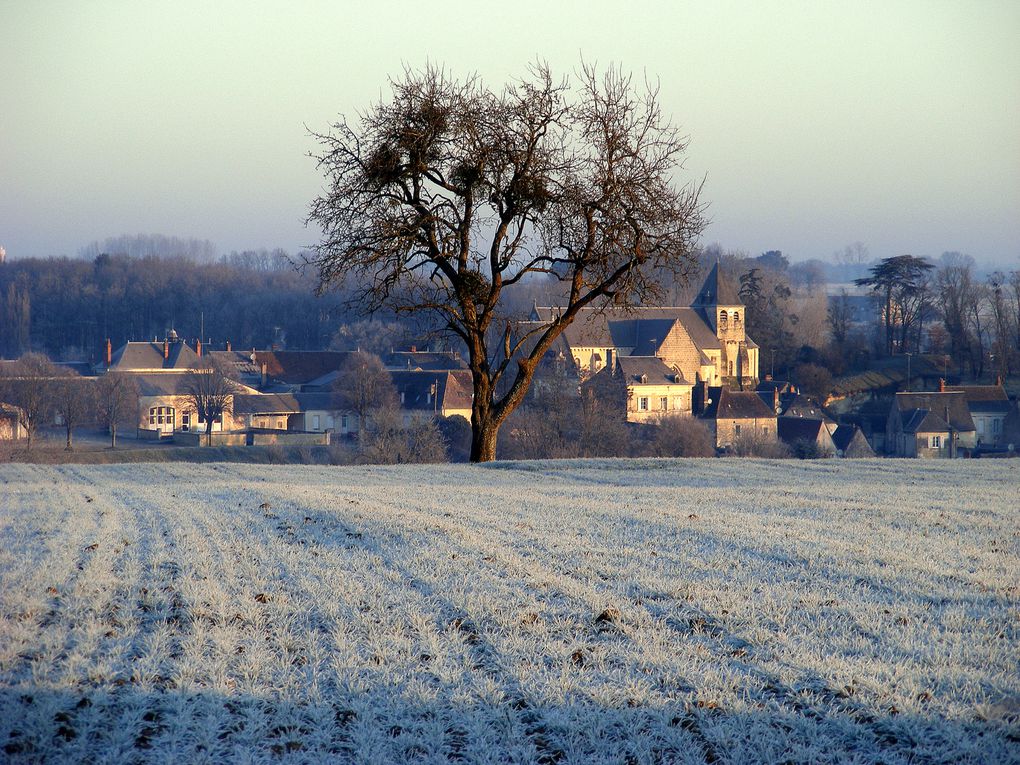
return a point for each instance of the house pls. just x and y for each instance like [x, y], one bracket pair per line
[807, 436]
[438, 394]
[10, 422]
[989, 406]
[931, 424]
[645, 386]
[850, 442]
[165, 406]
[267, 411]
[703, 342]
[732, 415]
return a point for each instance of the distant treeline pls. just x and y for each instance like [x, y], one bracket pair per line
[67, 308]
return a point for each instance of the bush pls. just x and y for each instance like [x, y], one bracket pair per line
[679, 436]
[757, 445]
[456, 432]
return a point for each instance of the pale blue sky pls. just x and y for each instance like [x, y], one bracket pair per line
[816, 123]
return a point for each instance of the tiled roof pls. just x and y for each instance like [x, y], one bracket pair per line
[298, 367]
[423, 360]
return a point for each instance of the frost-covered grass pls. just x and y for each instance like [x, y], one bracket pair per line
[547, 612]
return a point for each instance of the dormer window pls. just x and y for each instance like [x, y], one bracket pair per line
[723, 320]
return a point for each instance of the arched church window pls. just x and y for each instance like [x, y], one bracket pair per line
[723, 320]
[736, 318]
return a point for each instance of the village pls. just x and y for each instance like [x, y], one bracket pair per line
[651, 368]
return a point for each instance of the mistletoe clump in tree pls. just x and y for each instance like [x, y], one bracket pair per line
[447, 193]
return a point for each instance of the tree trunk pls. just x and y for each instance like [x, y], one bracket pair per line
[483, 440]
[113, 436]
[69, 447]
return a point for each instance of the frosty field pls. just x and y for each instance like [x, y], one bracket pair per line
[559, 612]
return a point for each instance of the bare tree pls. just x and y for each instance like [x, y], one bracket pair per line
[116, 402]
[364, 387]
[448, 193]
[211, 389]
[74, 402]
[28, 385]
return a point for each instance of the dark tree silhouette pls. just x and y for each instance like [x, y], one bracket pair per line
[902, 283]
[211, 391]
[448, 193]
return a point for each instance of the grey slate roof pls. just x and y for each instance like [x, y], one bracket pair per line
[141, 356]
[949, 407]
[631, 327]
[654, 370]
[736, 405]
[266, 403]
[793, 429]
[717, 290]
[923, 421]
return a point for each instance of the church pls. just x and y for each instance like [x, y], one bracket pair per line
[663, 353]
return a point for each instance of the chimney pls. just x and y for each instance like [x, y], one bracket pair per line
[942, 385]
[198, 347]
[775, 399]
[109, 352]
[263, 372]
[998, 381]
[166, 350]
[414, 349]
[228, 346]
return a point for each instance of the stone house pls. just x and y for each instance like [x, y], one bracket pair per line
[850, 442]
[989, 406]
[646, 386]
[930, 425]
[804, 432]
[731, 415]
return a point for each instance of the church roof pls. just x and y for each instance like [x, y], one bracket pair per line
[631, 327]
[717, 290]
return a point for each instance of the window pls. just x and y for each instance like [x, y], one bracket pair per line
[315, 422]
[736, 319]
[280, 425]
[736, 430]
[642, 404]
[723, 320]
[730, 367]
[935, 442]
[186, 421]
[664, 403]
[996, 424]
[343, 422]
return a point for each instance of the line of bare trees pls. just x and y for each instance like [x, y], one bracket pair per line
[45, 393]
